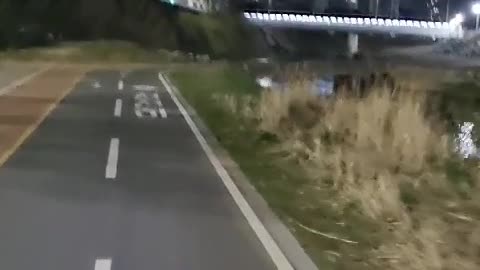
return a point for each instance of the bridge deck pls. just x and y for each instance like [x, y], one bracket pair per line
[357, 24]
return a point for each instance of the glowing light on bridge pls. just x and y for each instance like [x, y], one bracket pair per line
[346, 20]
[409, 26]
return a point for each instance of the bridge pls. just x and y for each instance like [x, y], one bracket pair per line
[194, 5]
[351, 24]
[357, 24]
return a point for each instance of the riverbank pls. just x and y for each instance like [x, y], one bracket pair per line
[356, 195]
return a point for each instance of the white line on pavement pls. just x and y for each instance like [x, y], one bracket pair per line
[22, 81]
[103, 264]
[120, 85]
[277, 255]
[117, 112]
[111, 169]
[161, 109]
[163, 113]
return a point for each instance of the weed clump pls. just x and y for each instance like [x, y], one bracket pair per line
[385, 155]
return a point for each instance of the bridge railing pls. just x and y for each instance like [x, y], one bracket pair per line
[338, 14]
[358, 23]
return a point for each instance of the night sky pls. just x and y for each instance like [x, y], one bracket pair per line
[463, 5]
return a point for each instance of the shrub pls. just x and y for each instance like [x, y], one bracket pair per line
[384, 154]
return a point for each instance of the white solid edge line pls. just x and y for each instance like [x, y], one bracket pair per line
[120, 85]
[117, 112]
[22, 80]
[276, 254]
[112, 160]
[103, 264]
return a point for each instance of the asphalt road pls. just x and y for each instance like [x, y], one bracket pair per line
[102, 187]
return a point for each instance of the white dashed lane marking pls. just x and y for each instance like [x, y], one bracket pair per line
[103, 264]
[112, 161]
[161, 109]
[117, 112]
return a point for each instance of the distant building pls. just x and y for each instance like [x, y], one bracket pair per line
[199, 5]
[433, 7]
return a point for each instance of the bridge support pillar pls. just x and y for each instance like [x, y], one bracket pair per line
[352, 44]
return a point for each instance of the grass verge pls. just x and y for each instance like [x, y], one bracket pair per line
[95, 51]
[282, 181]
[364, 183]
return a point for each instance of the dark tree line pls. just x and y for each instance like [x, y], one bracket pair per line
[151, 23]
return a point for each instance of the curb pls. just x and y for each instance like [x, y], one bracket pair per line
[281, 234]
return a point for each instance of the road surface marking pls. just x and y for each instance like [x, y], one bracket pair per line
[96, 85]
[161, 109]
[163, 113]
[111, 169]
[103, 264]
[138, 113]
[150, 104]
[142, 107]
[9, 152]
[118, 108]
[120, 85]
[142, 87]
[22, 81]
[276, 254]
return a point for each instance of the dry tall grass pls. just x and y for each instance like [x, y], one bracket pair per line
[367, 150]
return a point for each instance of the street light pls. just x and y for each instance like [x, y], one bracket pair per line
[476, 11]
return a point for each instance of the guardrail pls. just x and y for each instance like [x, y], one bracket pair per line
[359, 24]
